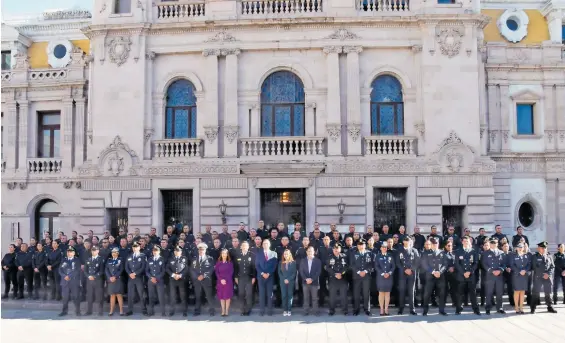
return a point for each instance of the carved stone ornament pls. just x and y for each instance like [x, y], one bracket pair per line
[78, 57]
[67, 184]
[78, 185]
[254, 182]
[451, 139]
[333, 49]
[421, 129]
[343, 34]
[450, 40]
[221, 37]
[147, 135]
[67, 14]
[23, 185]
[11, 185]
[334, 131]
[211, 133]
[505, 134]
[116, 164]
[231, 133]
[549, 134]
[561, 136]
[354, 130]
[21, 61]
[492, 134]
[455, 161]
[118, 49]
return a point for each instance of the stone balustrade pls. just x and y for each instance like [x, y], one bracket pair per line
[47, 74]
[6, 76]
[282, 146]
[182, 10]
[277, 8]
[44, 166]
[390, 146]
[177, 149]
[387, 6]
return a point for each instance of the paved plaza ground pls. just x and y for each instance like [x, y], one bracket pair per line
[23, 325]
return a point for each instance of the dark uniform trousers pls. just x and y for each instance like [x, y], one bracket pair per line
[558, 279]
[539, 284]
[179, 284]
[466, 286]
[494, 287]
[452, 288]
[40, 282]
[437, 285]
[361, 287]
[10, 276]
[200, 287]
[323, 291]
[27, 276]
[134, 285]
[406, 286]
[245, 293]
[95, 292]
[55, 283]
[507, 280]
[335, 287]
[71, 290]
[156, 292]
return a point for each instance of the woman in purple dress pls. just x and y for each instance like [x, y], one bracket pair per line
[224, 285]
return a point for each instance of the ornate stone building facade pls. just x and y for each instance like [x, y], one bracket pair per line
[370, 112]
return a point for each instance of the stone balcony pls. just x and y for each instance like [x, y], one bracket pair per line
[282, 147]
[177, 150]
[390, 146]
[32, 77]
[44, 166]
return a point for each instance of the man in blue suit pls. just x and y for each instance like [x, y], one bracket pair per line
[266, 264]
[310, 270]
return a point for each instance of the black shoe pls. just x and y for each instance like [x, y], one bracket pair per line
[5, 296]
[412, 312]
[477, 312]
[129, 313]
[532, 311]
[306, 313]
[62, 314]
[401, 312]
[457, 313]
[270, 313]
[443, 313]
[20, 297]
[331, 313]
[184, 314]
[356, 312]
[78, 314]
[346, 313]
[367, 312]
[88, 313]
[171, 314]
[425, 313]
[501, 311]
[100, 314]
[551, 310]
[262, 314]
[242, 314]
[487, 312]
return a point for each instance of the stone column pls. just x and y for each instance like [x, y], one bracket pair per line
[554, 24]
[148, 131]
[560, 109]
[494, 118]
[333, 107]
[550, 127]
[255, 108]
[23, 137]
[207, 120]
[483, 106]
[10, 122]
[66, 135]
[353, 100]
[505, 118]
[80, 114]
[309, 128]
[231, 115]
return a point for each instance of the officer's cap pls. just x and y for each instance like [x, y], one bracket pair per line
[336, 246]
[406, 239]
[178, 249]
[115, 250]
[202, 246]
[156, 248]
[361, 241]
[493, 241]
[71, 249]
[520, 245]
[135, 245]
[94, 248]
[542, 244]
[433, 240]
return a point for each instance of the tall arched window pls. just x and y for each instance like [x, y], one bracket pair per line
[387, 107]
[46, 218]
[181, 110]
[282, 105]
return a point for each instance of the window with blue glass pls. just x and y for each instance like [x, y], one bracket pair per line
[387, 106]
[445, 1]
[563, 34]
[282, 105]
[181, 110]
[525, 119]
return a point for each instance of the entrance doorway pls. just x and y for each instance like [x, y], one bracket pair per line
[453, 215]
[118, 219]
[177, 208]
[389, 209]
[283, 205]
[46, 219]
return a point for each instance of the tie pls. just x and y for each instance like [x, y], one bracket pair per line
[201, 259]
[266, 257]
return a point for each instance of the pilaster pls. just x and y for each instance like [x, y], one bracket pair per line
[333, 95]
[231, 115]
[10, 123]
[505, 118]
[66, 144]
[207, 120]
[494, 118]
[23, 137]
[80, 113]
[149, 130]
[353, 100]
[560, 109]
[550, 124]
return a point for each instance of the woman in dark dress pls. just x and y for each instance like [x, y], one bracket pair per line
[384, 267]
[520, 265]
[224, 284]
[114, 269]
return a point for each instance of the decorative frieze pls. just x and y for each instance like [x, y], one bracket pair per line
[224, 183]
[352, 49]
[342, 34]
[333, 49]
[191, 169]
[115, 185]
[221, 37]
[467, 181]
[340, 182]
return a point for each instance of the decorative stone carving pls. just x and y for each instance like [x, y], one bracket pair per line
[78, 185]
[343, 34]
[211, 133]
[451, 139]
[234, 51]
[450, 39]
[58, 61]
[119, 49]
[416, 48]
[211, 52]
[150, 55]
[21, 61]
[221, 37]
[334, 131]
[421, 129]
[254, 182]
[68, 14]
[11, 185]
[231, 132]
[505, 134]
[352, 49]
[310, 182]
[116, 164]
[562, 136]
[520, 19]
[492, 134]
[455, 156]
[147, 135]
[333, 49]
[455, 161]
[549, 135]
[89, 135]
[354, 130]
[67, 184]
[482, 131]
[23, 185]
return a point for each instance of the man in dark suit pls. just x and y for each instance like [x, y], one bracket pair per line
[310, 269]
[266, 264]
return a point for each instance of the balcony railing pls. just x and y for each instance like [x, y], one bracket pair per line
[390, 146]
[6, 76]
[384, 5]
[282, 146]
[44, 166]
[276, 8]
[181, 10]
[47, 74]
[177, 149]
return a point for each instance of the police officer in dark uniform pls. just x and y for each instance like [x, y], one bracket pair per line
[178, 274]
[39, 266]
[336, 267]
[201, 274]
[69, 271]
[245, 275]
[434, 235]
[361, 263]
[492, 261]
[407, 262]
[543, 268]
[559, 274]
[466, 262]
[10, 272]
[155, 271]
[94, 268]
[25, 271]
[135, 270]
[53, 263]
[435, 267]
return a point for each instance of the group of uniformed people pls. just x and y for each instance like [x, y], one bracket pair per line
[377, 269]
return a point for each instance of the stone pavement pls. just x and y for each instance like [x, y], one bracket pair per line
[33, 325]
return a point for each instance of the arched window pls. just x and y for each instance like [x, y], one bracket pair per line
[46, 218]
[282, 105]
[181, 110]
[387, 107]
